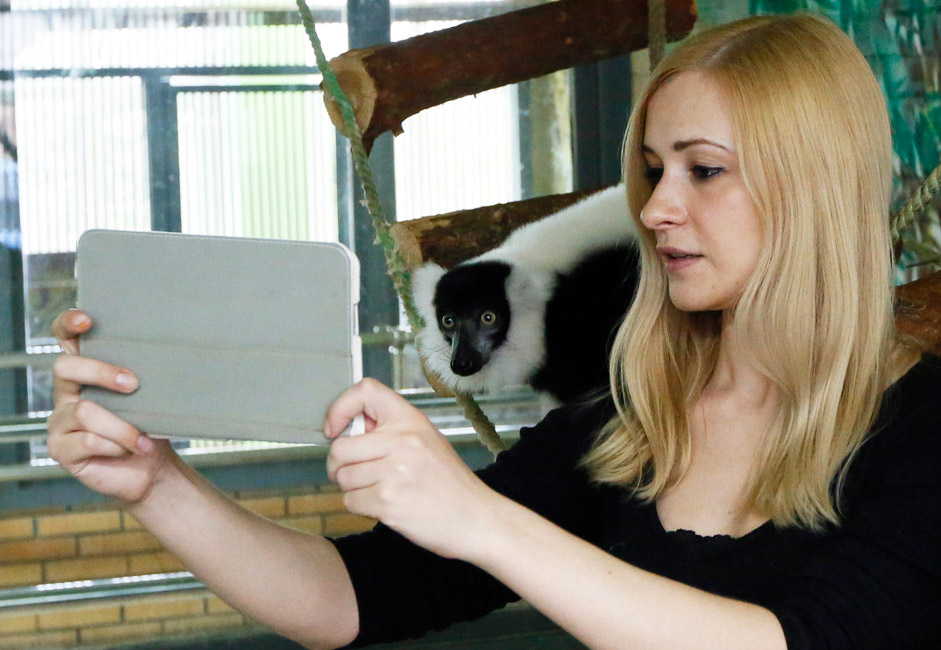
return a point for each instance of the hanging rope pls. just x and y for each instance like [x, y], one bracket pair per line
[904, 218]
[401, 278]
[656, 30]
[8, 145]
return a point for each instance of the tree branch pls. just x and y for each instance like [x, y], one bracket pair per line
[388, 83]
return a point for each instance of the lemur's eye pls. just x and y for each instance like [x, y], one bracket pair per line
[488, 318]
[447, 321]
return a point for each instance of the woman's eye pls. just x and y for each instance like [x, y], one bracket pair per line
[488, 318]
[704, 173]
[447, 321]
[653, 174]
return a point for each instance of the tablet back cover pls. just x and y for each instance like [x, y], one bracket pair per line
[230, 337]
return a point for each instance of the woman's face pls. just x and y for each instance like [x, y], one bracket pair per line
[707, 229]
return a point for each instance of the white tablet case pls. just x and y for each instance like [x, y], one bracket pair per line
[231, 338]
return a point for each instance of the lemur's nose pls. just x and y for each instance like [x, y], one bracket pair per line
[464, 366]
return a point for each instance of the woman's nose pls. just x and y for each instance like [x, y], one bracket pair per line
[664, 207]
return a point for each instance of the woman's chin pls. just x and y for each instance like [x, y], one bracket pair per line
[691, 303]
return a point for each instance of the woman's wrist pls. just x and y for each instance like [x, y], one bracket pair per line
[498, 523]
[172, 477]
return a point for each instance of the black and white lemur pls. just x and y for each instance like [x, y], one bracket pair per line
[540, 309]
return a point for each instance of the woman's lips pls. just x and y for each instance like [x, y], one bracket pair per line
[680, 263]
[676, 259]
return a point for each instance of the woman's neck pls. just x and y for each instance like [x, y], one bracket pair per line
[734, 374]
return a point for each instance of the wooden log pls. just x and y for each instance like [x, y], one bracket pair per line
[918, 312]
[452, 238]
[390, 82]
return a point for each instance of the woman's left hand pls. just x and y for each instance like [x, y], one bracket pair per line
[405, 473]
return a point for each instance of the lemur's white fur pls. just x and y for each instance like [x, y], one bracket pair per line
[535, 252]
[558, 242]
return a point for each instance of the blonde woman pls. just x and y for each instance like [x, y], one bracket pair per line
[765, 475]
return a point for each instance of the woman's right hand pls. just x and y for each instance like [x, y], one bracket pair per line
[100, 449]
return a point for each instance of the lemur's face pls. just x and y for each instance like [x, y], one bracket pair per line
[473, 314]
[709, 236]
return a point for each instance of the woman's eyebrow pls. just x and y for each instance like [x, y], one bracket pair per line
[679, 145]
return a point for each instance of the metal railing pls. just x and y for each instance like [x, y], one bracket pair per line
[510, 411]
[85, 590]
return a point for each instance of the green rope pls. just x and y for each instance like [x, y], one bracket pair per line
[8, 145]
[401, 278]
[904, 218]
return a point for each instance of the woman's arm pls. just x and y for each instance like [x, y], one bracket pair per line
[292, 581]
[404, 473]
[608, 603]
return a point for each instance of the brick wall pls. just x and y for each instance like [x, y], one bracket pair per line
[104, 542]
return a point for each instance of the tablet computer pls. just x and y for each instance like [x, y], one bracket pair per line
[230, 338]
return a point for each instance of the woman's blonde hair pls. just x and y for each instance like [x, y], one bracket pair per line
[812, 132]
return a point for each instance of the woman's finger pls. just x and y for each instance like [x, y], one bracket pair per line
[84, 415]
[369, 398]
[74, 449]
[362, 502]
[94, 445]
[68, 326]
[359, 475]
[357, 449]
[71, 372]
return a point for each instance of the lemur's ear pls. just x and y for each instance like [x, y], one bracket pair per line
[424, 283]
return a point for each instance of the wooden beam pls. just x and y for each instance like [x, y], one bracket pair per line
[388, 83]
[918, 312]
[452, 238]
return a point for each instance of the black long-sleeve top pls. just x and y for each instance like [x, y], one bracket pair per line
[872, 583]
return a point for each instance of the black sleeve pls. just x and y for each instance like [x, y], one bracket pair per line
[403, 591]
[876, 584]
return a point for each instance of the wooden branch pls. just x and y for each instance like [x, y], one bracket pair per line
[452, 238]
[388, 83]
[918, 312]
